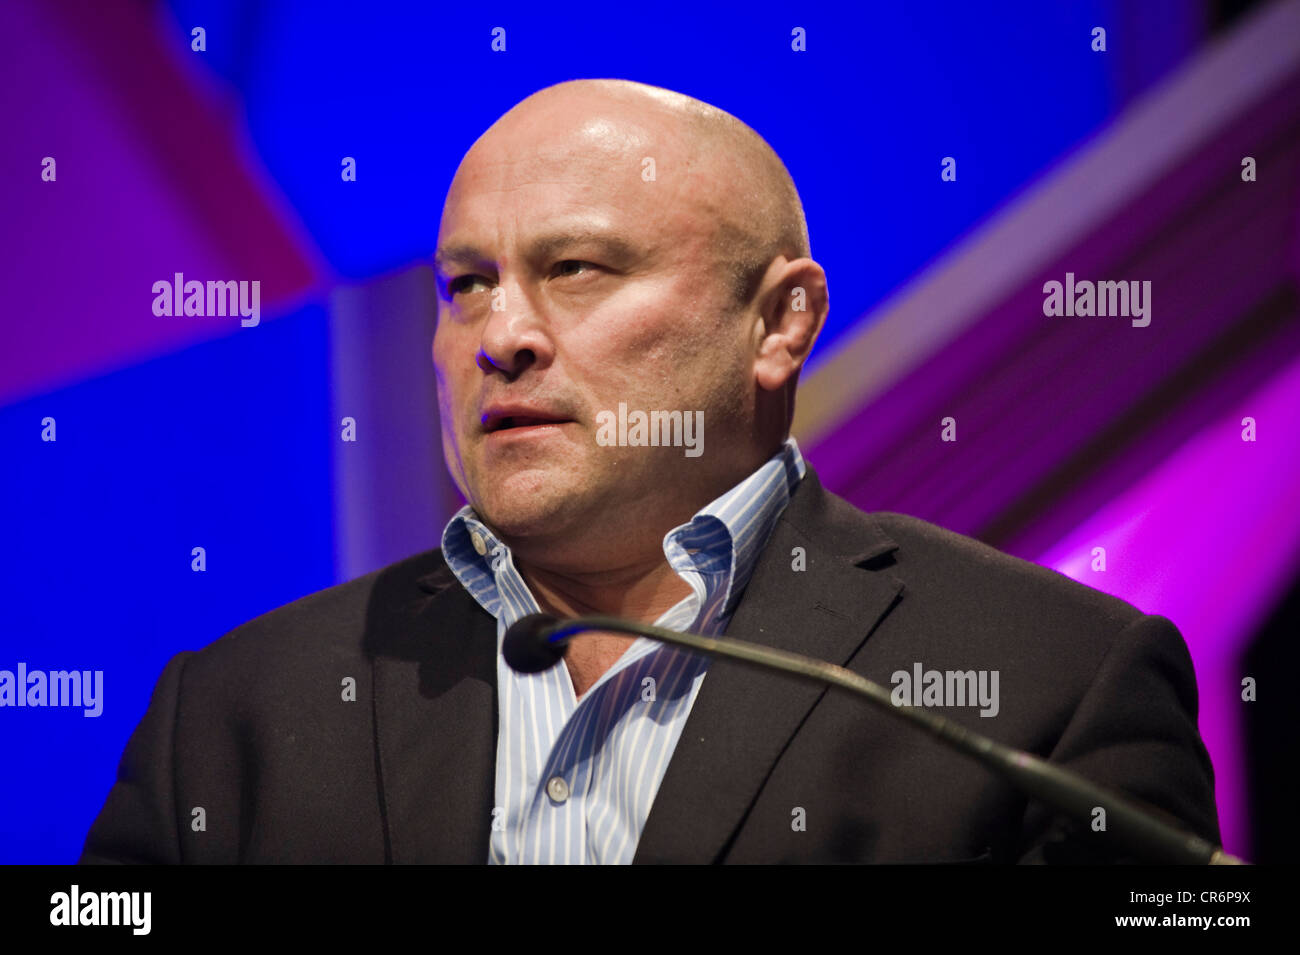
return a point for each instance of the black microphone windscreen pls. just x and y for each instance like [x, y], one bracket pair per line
[526, 648]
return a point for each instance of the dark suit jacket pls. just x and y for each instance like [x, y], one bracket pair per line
[253, 729]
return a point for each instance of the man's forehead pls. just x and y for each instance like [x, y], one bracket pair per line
[553, 167]
[555, 141]
[545, 179]
[547, 213]
[553, 181]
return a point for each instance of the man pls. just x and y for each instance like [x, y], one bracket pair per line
[626, 297]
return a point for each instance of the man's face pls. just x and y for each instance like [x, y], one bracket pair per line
[606, 290]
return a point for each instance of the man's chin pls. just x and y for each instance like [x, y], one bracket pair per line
[530, 505]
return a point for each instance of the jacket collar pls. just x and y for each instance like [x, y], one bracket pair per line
[743, 717]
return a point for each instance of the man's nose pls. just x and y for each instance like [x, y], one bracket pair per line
[514, 336]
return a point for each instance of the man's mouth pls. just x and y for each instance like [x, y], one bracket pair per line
[506, 419]
[520, 422]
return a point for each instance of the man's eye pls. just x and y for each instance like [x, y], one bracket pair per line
[566, 267]
[459, 283]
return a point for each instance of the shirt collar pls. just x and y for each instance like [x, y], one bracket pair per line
[721, 542]
[729, 533]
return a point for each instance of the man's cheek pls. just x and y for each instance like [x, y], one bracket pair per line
[650, 357]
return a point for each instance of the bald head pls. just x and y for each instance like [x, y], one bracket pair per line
[741, 188]
[609, 247]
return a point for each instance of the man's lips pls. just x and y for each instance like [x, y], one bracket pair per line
[505, 418]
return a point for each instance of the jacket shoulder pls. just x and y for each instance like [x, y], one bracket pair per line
[962, 572]
[969, 565]
[329, 623]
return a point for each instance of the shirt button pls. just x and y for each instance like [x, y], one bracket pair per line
[480, 545]
[557, 789]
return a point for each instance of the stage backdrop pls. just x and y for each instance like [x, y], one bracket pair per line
[166, 477]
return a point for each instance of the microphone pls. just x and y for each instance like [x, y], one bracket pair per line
[527, 647]
[539, 641]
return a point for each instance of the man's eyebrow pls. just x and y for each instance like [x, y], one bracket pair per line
[540, 247]
[444, 258]
[611, 244]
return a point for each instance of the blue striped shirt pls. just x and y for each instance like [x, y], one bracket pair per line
[575, 779]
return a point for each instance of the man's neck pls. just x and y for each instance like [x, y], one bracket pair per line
[643, 591]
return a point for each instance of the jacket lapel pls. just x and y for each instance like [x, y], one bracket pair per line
[433, 652]
[743, 717]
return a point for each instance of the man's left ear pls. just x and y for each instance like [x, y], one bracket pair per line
[793, 304]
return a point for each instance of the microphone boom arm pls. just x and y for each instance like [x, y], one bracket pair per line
[1147, 836]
